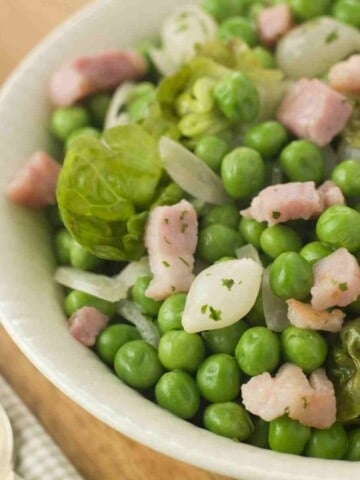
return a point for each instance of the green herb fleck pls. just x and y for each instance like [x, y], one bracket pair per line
[214, 314]
[183, 213]
[203, 309]
[305, 402]
[172, 288]
[332, 36]
[167, 241]
[228, 283]
[166, 264]
[276, 215]
[166, 220]
[184, 226]
[184, 261]
[343, 286]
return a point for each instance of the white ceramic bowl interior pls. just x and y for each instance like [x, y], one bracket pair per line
[31, 303]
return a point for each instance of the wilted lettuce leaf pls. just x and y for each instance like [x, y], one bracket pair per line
[104, 184]
[345, 371]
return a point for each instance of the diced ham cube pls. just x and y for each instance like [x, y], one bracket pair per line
[332, 194]
[290, 393]
[336, 280]
[171, 238]
[314, 111]
[273, 23]
[303, 315]
[35, 184]
[86, 324]
[283, 202]
[87, 75]
[345, 76]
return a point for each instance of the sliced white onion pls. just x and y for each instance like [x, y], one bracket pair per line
[312, 48]
[191, 173]
[249, 251]
[275, 308]
[221, 295]
[114, 115]
[163, 61]
[133, 314]
[111, 289]
[347, 152]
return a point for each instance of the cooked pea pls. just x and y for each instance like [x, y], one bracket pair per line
[251, 230]
[243, 172]
[137, 364]
[258, 351]
[181, 350]
[170, 313]
[264, 57]
[306, 348]
[112, 338]
[138, 108]
[212, 150]
[228, 419]
[63, 243]
[222, 9]
[331, 443]
[315, 251]
[267, 138]
[353, 452]
[288, 436]
[76, 300]
[303, 161]
[256, 317]
[238, 27]
[347, 11]
[237, 97]
[98, 106]
[291, 276]
[346, 175]
[339, 226]
[224, 340]
[307, 9]
[217, 241]
[177, 392]
[82, 259]
[278, 239]
[227, 215]
[147, 304]
[259, 437]
[65, 121]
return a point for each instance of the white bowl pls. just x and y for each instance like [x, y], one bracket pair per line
[31, 303]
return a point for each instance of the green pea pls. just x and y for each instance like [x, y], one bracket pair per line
[98, 106]
[315, 251]
[65, 121]
[76, 300]
[243, 172]
[256, 318]
[229, 420]
[346, 175]
[303, 161]
[237, 97]
[218, 378]
[354, 307]
[306, 348]
[222, 9]
[217, 241]
[259, 437]
[63, 243]
[267, 138]
[138, 108]
[136, 363]
[278, 239]
[238, 27]
[291, 276]
[170, 313]
[331, 443]
[224, 259]
[112, 338]
[224, 340]
[181, 350]
[81, 132]
[54, 216]
[265, 58]
[212, 150]
[148, 305]
[227, 215]
[307, 9]
[177, 392]
[82, 259]
[258, 351]
[251, 230]
[288, 436]
[353, 452]
[339, 226]
[347, 11]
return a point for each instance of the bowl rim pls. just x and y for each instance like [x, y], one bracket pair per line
[251, 462]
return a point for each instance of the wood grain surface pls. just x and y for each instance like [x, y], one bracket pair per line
[97, 451]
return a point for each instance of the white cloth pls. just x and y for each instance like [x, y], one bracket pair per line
[36, 455]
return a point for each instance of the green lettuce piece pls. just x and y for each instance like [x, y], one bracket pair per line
[104, 184]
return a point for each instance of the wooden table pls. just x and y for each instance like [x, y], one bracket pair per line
[109, 455]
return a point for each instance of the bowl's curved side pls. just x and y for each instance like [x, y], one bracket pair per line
[30, 302]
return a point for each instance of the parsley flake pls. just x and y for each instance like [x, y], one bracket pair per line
[167, 241]
[184, 226]
[203, 309]
[166, 220]
[184, 261]
[276, 215]
[166, 264]
[214, 314]
[183, 213]
[228, 283]
[332, 36]
[172, 288]
[343, 286]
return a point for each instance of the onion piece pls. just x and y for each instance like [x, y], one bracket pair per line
[249, 251]
[162, 61]
[133, 314]
[114, 114]
[191, 173]
[312, 48]
[275, 308]
[111, 289]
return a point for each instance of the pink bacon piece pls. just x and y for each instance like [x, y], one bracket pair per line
[345, 76]
[273, 23]
[86, 324]
[302, 315]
